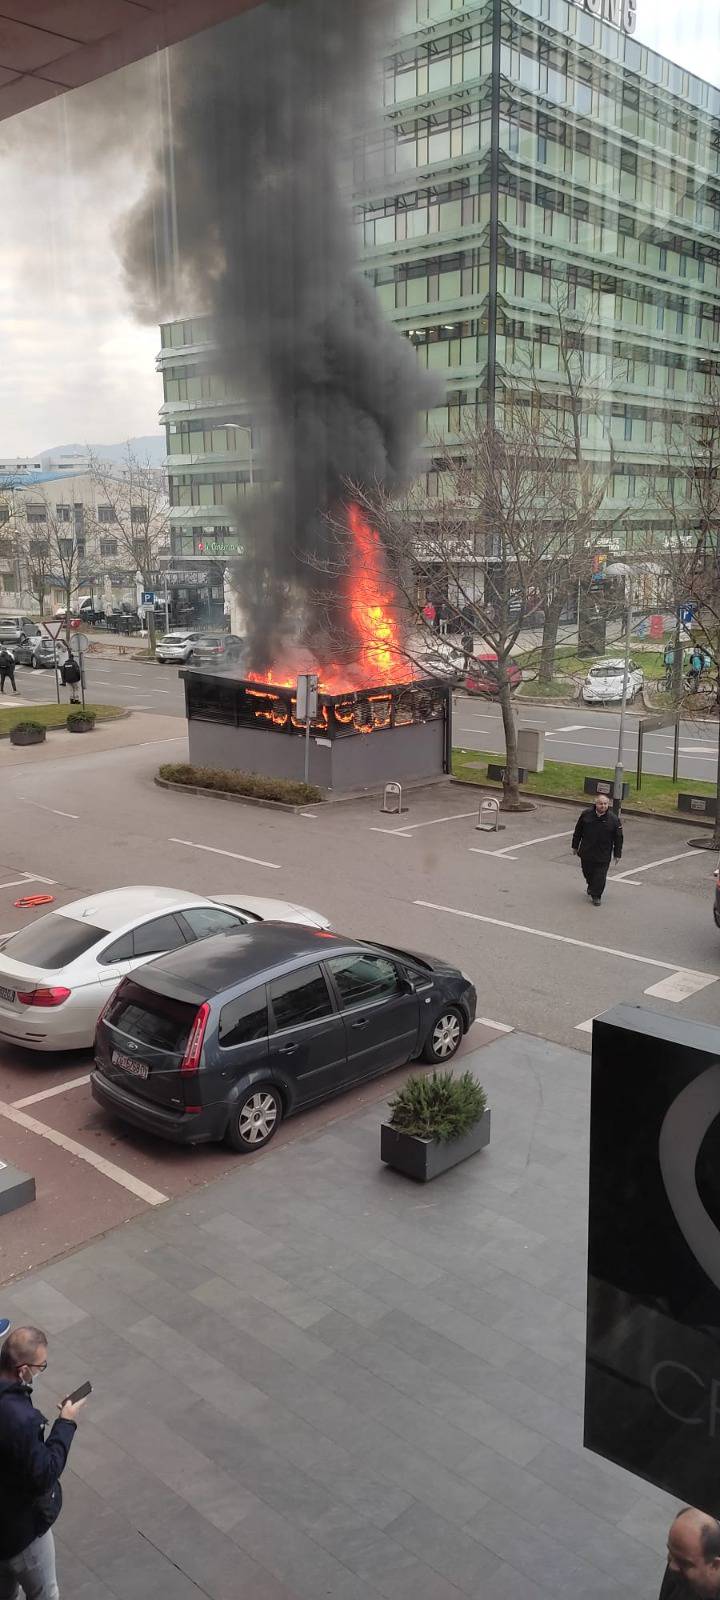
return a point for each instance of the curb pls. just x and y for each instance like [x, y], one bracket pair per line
[565, 800]
[239, 799]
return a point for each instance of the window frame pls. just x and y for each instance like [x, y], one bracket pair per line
[375, 1000]
[291, 1027]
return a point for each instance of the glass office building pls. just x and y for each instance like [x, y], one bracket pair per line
[537, 181]
[538, 169]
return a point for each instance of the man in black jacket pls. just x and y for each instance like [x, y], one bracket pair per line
[30, 1468]
[693, 1548]
[598, 836]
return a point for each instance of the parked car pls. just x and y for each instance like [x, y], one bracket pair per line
[41, 651]
[604, 682]
[437, 658]
[14, 629]
[481, 676]
[57, 974]
[217, 647]
[223, 1042]
[176, 646]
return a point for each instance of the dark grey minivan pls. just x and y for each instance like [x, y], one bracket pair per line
[223, 1039]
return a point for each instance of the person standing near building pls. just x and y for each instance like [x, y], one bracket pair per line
[30, 1470]
[693, 1557]
[7, 668]
[597, 838]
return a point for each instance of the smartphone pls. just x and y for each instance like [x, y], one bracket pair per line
[78, 1394]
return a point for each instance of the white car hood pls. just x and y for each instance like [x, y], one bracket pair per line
[269, 910]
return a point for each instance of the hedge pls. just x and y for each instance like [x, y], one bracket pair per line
[250, 784]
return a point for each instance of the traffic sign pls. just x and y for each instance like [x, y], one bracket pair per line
[686, 614]
[148, 598]
[82, 642]
[307, 696]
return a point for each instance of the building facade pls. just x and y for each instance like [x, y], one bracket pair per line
[537, 183]
[542, 182]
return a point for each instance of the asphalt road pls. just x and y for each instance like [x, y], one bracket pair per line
[509, 908]
[589, 738]
[575, 734]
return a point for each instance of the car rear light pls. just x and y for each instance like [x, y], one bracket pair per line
[193, 1049]
[43, 997]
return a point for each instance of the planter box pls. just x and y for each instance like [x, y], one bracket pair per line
[21, 736]
[604, 786]
[425, 1159]
[496, 771]
[85, 726]
[701, 805]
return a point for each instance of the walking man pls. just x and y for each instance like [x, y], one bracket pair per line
[30, 1469]
[7, 668]
[598, 836]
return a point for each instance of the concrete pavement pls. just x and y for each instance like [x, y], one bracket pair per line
[315, 1379]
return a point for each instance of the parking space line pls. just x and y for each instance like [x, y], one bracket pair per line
[27, 877]
[502, 1027]
[214, 851]
[457, 816]
[586, 1027]
[508, 850]
[108, 1169]
[563, 938]
[28, 802]
[617, 877]
[398, 833]
[680, 985]
[49, 1094]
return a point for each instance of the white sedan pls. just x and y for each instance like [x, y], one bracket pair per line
[604, 682]
[57, 974]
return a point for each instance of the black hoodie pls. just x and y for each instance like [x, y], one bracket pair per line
[30, 1468]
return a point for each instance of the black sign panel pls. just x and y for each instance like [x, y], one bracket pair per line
[652, 1395]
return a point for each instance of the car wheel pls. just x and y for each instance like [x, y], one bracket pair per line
[445, 1035]
[34, 662]
[255, 1119]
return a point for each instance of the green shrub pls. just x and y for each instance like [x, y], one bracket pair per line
[250, 784]
[438, 1106]
[77, 719]
[27, 727]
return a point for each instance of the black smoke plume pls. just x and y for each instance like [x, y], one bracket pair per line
[247, 217]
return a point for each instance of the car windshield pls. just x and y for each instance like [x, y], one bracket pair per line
[606, 672]
[53, 942]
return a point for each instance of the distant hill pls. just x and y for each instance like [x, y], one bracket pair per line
[147, 447]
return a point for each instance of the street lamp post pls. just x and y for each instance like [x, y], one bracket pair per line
[629, 576]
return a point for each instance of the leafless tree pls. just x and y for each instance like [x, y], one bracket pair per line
[52, 554]
[479, 548]
[133, 508]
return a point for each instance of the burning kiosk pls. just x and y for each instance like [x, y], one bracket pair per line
[361, 738]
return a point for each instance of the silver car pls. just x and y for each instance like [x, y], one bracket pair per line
[57, 974]
[177, 646]
[604, 682]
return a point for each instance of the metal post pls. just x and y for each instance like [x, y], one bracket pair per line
[167, 604]
[676, 748]
[307, 748]
[82, 679]
[618, 783]
[638, 774]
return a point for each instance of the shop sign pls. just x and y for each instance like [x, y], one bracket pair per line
[620, 13]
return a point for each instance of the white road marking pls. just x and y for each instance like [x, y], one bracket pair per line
[177, 738]
[680, 985]
[28, 802]
[457, 816]
[562, 938]
[143, 1191]
[477, 849]
[586, 1027]
[572, 727]
[697, 750]
[398, 833]
[508, 850]
[213, 850]
[617, 877]
[502, 1027]
[312, 814]
[27, 877]
[49, 1094]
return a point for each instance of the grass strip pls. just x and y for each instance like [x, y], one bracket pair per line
[561, 779]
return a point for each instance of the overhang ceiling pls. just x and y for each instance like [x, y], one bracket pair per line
[50, 46]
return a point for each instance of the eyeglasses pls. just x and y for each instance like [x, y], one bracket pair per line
[39, 1366]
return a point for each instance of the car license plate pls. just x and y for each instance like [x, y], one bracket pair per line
[7, 994]
[137, 1069]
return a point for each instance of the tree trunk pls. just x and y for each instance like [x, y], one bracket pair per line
[551, 625]
[511, 793]
[716, 829]
[150, 615]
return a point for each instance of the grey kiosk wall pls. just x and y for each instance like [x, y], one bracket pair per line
[652, 1395]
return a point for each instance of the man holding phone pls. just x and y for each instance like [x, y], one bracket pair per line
[30, 1469]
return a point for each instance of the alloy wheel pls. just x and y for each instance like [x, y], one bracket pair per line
[446, 1035]
[257, 1118]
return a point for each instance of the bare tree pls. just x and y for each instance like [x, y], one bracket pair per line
[134, 508]
[53, 553]
[480, 547]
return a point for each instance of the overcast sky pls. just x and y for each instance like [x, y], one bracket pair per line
[75, 364]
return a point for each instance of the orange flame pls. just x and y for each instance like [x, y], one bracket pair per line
[373, 619]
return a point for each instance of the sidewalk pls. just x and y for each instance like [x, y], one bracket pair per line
[137, 728]
[315, 1379]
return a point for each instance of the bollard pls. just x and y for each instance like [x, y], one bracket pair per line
[491, 809]
[392, 791]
